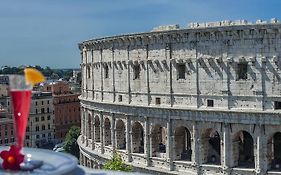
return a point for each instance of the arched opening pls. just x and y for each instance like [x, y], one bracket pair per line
[182, 144]
[89, 126]
[275, 151]
[97, 129]
[137, 138]
[107, 132]
[120, 135]
[159, 139]
[243, 145]
[211, 147]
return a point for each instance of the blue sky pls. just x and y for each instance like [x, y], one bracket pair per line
[46, 32]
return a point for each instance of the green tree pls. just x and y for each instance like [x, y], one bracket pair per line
[70, 142]
[116, 164]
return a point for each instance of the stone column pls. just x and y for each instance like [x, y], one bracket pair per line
[101, 71]
[82, 125]
[150, 141]
[147, 77]
[147, 142]
[81, 158]
[113, 76]
[263, 83]
[113, 131]
[195, 145]
[170, 144]
[226, 149]
[169, 57]
[86, 73]
[84, 160]
[129, 75]
[102, 133]
[260, 151]
[128, 138]
[86, 128]
[93, 131]
[228, 73]
[93, 78]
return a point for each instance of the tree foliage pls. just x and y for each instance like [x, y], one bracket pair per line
[116, 164]
[47, 71]
[70, 142]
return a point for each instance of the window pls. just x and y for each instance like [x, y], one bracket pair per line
[1, 142]
[42, 102]
[49, 127]
[6, 133]
[6, 140]
[157, 101]
[27, 129]
[49, 117]
[210, 103]
[42, 110]
[89, 71]
[277, 105]
[36, 103]
[27, 137]
[136, 69]
[43, 127]
[43, 135]
[12, 139]
[12, 132]
[120, 98]
[42, 118]
[36, 111]
[48, 110]
[106, 70]
[242, 69]
[37, 128]
[49, 135]
[37, 136]
[48, 102]
[37, 119]
[181, 71]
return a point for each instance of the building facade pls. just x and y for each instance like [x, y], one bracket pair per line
[201, 100]
[66, 108]
[40, 129]
[7, 136]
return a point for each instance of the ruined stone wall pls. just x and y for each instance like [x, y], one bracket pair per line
[217, 86]
[211, 58]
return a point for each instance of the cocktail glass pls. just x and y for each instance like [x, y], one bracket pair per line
[20, 93]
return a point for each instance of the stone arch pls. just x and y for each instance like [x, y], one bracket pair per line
[274, 151]
[137, 138]
[159, 140]
[89, 125]
[182, 144]
[97, 129]
[243, 150]
[211, 149]
[107, 132]
[120, 135]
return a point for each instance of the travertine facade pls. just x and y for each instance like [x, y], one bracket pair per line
[66, 108]
[201, 100]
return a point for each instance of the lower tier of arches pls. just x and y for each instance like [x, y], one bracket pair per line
[174, 145]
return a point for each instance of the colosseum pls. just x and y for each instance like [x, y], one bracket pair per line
[205, 99]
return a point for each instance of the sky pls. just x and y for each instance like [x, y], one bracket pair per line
[47, 32]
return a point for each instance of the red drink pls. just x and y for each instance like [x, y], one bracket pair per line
[21, 105]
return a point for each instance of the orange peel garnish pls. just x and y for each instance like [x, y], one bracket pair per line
[33, 76]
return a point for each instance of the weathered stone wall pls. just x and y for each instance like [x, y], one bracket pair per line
[216, 86]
